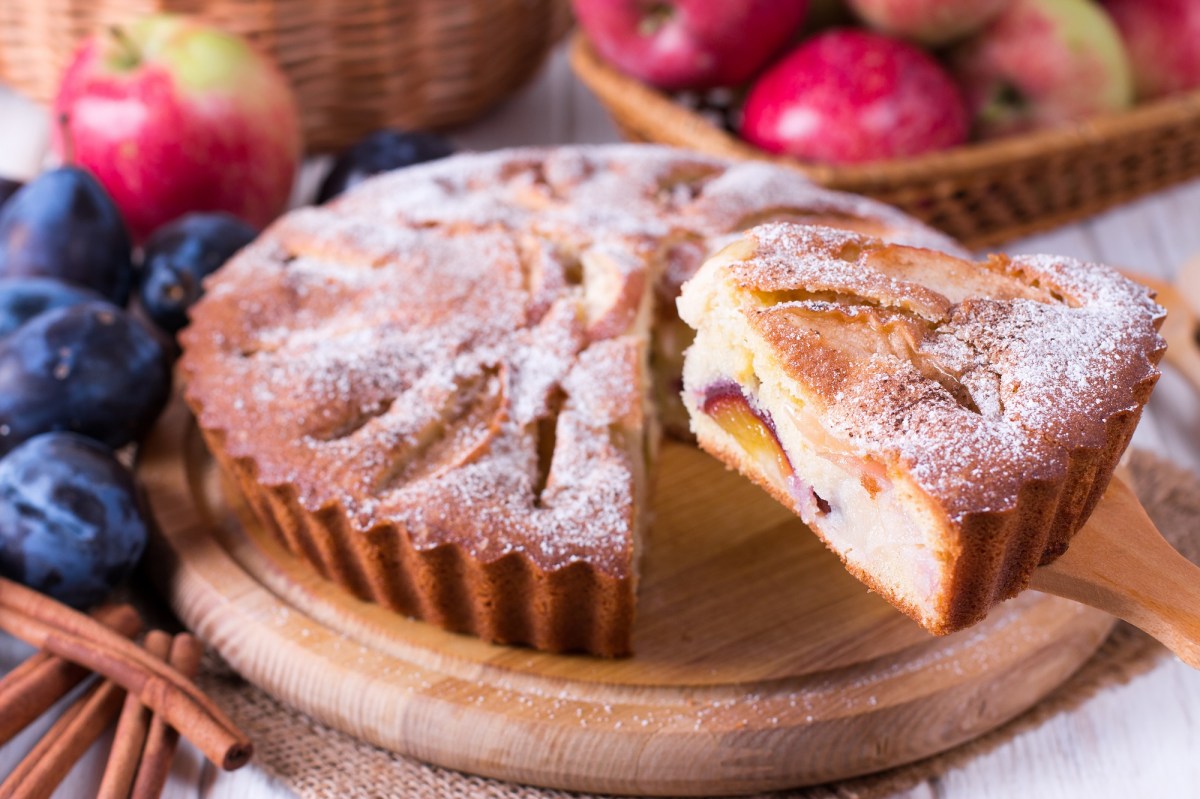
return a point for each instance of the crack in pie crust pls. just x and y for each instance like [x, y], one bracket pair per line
[437, 389]
[944, 426]
[682, 206]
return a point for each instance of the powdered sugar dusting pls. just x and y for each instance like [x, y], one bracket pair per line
[754, 187]
[399, 352]
[988, 393]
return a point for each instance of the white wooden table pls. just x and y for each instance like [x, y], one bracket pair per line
[1141, 739]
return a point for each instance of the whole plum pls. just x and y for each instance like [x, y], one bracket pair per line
[71, 525]
[177, 258]
[89, 368]
[23, 298]
[64, 225]
[381, 151]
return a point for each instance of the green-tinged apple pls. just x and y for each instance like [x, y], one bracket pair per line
[930, 22]
[174, 116]
[1042, 64]
[1163, 39]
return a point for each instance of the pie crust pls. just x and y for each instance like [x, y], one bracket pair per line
[945, 426]
[443, 389]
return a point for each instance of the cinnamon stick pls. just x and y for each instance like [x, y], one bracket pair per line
[132, 727]
[64, 743]
[162, 740]
[32, 688]
[56, 628]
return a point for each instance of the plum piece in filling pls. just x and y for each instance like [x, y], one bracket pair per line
[754, 431]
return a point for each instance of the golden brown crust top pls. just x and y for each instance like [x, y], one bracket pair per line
[400, 374]
[639, 191]
[973, 378]
[405, 353]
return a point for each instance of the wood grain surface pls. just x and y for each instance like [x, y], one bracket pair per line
[759, 662]
[1120, 564]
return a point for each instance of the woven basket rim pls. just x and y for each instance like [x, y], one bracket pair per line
[354, 65]
[652, 110]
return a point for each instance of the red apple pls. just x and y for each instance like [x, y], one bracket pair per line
[1163, 39]
[174, 116]
[930, 22]
[689, 44]
[849, 96]
[1043, 63]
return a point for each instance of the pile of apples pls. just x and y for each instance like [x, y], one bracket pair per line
[870, 80]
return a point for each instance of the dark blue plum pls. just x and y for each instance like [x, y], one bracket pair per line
[179, 255]
[71, 525]
[90, 368]
[64, 225]
[381, 151]
[23, 298]
[8, 188]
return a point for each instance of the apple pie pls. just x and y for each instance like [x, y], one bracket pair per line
[944, 426]
[439, 389]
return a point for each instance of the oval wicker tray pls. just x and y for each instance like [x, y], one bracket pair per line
[981, 193]
[357, 65]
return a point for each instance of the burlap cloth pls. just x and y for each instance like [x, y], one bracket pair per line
[315, 761]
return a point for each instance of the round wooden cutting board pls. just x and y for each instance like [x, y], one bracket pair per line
[759, 662]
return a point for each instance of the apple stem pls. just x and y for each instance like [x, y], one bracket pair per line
[68, 141]
[1004, 101]
[655, 17]
[129, 50]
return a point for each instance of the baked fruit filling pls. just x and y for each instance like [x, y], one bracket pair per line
[945, 426]
[753, 430]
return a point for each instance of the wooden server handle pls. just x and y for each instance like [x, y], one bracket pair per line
[1121, 564]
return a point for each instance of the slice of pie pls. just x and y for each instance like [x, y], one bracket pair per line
[944, 426]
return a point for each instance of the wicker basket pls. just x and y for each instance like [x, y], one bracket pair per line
[357, 65]
[981, 194]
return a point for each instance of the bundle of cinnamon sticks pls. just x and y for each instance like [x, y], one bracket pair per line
[148, 687]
